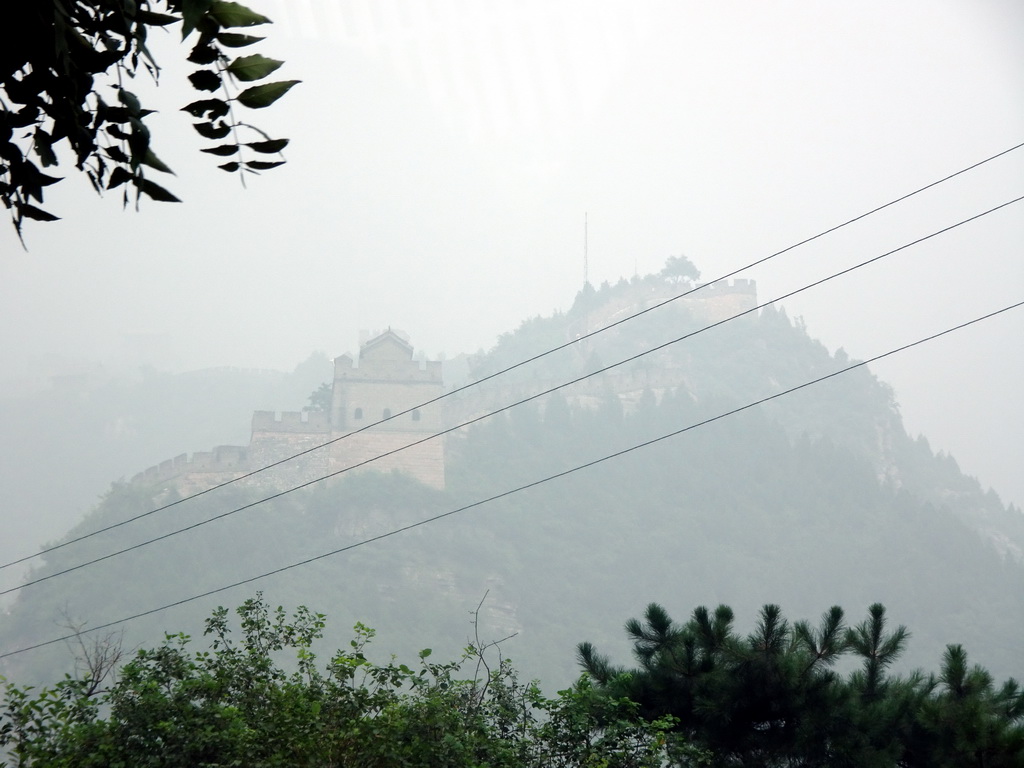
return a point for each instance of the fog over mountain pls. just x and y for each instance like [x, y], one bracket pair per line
[444, 155]
[444, 159]
[814, 498]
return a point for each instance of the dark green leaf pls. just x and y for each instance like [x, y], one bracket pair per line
[153, 161]
[268, 147]
[236, 40]
[117, 132]
[116, 154]
[151, 19]
[254, 67]
[88, 59]
[138, 141]
[31, 212]
[205, 80]
[117, 115]
[191, 13]
[155, 191]
[44, 181]
[264, 95]
[43, 146]
[235, 15]
[118, 177]
[27, 115]
[23, 91]
[130, 100]
[223, 150]
[211, 131]
[262, 165]
[211, 109]
[203, 52]
[229, 167]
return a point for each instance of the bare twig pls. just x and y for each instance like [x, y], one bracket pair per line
[479, 650]
[95, 659]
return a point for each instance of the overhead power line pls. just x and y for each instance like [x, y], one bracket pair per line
[513, 367]
[530, 398]
[520, 488]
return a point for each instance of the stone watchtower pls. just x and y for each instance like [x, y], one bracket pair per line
[386, 383]
[310, 445]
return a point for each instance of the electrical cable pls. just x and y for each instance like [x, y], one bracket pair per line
[503, 371]
[509, 406]
[520, 488]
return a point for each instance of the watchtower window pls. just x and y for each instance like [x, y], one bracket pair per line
[358, 414]
[416, 415]
[387, 413]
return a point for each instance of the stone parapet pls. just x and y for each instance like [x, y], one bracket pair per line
[291, 421]
[223, 458]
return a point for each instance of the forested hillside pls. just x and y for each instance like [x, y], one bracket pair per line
[814, 499]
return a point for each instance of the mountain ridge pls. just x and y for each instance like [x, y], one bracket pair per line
[813, 499]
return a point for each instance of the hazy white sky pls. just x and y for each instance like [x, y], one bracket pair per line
[444, 154]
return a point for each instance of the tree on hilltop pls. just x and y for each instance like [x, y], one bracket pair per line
[679, 269]
[64, 66]
[320, 399]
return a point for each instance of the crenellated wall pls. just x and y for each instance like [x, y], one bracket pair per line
[722, 300]
[712, 303]
[203, 470]
[291, 421]
[387, 381]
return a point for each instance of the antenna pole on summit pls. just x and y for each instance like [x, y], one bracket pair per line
[586, 276]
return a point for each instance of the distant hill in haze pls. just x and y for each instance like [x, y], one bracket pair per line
[90, 427]
[816, 498]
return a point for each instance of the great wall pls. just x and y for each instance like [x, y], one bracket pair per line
[388, 386]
